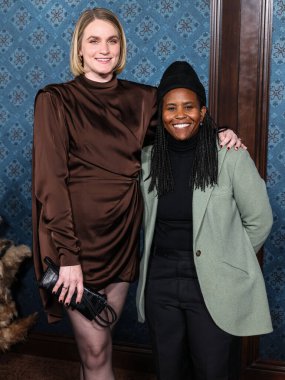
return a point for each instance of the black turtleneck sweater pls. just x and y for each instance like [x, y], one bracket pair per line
[174, 228]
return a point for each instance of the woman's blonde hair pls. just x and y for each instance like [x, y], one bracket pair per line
[76, 64]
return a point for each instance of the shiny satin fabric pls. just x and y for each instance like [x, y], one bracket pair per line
[87, 206]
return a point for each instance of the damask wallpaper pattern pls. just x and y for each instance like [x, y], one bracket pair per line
[273, 345]
[34, 45]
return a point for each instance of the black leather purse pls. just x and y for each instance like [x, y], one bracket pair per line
[92, 304]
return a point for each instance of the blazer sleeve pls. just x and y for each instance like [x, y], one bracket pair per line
[252, 200]
[50, 176]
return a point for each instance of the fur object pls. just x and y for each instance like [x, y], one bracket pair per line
[12, 329]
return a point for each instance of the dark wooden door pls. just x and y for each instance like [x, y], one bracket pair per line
[239, 98]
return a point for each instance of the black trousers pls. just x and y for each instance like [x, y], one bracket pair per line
[186, 342]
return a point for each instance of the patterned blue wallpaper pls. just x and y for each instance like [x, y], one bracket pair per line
[34, 46]
[273, 345]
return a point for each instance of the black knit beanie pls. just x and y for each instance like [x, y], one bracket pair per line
[181, 74]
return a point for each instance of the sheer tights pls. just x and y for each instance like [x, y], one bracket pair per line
[94, 342]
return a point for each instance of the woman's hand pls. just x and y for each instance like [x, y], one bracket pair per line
[71, 280]
[230, 139]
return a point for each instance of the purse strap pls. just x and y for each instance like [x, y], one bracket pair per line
[103, 322]
[106, 322]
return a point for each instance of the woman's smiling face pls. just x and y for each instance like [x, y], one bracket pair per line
[181, 113]
[100, 50]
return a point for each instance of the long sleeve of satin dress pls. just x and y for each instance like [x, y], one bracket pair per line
[87, 206]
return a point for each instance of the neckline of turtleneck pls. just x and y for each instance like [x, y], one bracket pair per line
[181, 146]
[91, 84]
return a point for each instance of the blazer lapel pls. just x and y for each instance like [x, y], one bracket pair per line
[201, 198]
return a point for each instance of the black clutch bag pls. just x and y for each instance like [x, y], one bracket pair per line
[93, 304]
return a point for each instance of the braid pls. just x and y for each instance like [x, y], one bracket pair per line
[160, 169]
[205, 166]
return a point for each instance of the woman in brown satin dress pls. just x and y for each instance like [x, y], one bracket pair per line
[87, 207]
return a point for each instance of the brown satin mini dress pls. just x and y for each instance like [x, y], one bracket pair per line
[87, 207]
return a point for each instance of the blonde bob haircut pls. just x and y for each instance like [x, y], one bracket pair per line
[84, 20]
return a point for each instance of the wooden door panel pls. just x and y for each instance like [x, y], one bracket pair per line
[239, 98]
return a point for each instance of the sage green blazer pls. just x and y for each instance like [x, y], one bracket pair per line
[231, 221]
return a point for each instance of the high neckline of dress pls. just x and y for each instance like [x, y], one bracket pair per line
[91, 84]
[181, 146]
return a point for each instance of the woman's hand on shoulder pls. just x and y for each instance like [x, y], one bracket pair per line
[229, 139]
[71, 280]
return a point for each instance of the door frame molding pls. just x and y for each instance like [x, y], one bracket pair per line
[239, 79]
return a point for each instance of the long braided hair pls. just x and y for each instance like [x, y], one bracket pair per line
[205, 166]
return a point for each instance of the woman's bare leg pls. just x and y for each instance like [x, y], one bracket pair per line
[95, 342]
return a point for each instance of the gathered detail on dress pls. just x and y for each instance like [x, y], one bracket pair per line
[87, 207]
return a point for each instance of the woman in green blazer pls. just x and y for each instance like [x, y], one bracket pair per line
[206, 215]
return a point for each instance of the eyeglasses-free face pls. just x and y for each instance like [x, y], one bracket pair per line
[100, 50]
[181, 113]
